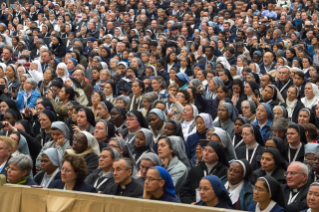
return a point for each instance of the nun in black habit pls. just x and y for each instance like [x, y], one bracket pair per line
[269, 96]
[238, 139]
[254, 147]
[295, 146]
[196, 173]
[131, 135]
[273, 165]
[239, 185]
[272, 187]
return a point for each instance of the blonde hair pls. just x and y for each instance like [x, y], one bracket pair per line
[8, 141]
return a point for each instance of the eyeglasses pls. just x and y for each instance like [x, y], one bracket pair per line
[181, 96]
[113, 146]
[245, 134]
[65, 170]
[103, 156]
[258, 189]
[291, 173]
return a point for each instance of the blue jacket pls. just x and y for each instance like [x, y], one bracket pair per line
[31, 102]
[273, 41]
[276, 208]
[265, 131]
[30, 182]
[192, 142]
[78, 186]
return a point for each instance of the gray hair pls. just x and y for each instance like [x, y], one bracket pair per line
[279, 123]
[151, 96]
[286, 67]
[24, 163]
[44, 47]
[303, 167]
[129, 163]
[108, 73]
[250, 29]
[278, 31]
[27, 52]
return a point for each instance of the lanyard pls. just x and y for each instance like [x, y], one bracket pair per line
[241, 141]
[295, 154]
[103, 181]
[283, 87]
[46, 184]
[252, 156]
[292, 198]
[130, 141]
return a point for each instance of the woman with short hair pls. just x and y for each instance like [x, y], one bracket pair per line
[20, 167]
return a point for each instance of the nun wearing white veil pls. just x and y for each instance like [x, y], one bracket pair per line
[37, 74]
[62, 71]
[311, 95]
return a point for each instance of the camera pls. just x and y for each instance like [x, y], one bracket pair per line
[166, 95]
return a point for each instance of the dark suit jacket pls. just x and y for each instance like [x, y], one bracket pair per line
[30, 182]
[133, 189]
[255, 162]
[300, 202]
[78, 186]
[5, 168]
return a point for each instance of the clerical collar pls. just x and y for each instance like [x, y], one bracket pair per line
[123, 187]
[295, 190]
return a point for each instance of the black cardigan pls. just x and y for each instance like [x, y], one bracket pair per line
[278, 174]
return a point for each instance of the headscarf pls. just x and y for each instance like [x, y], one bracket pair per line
[26, 126]
[50, 114]
[89, 115]
[224, 61]
[231, 111]
[11, 104]
[257, 135]
[159, 113]
[39, 66]
[226, 143]
[219, 152]
[60, 125]
[252, 105]
[207, 120]
[179, 150]
[169, 185]
[283, 110]
[277, 157]
[253, 85]
[14, 113]
[280, 145]
[270, 114]
[3, 66]
[149, 141]
[106, 105]
[154, 158]
[178, 128]
[183, 77]
[274, 189]
[109, 127]
[140, 118]
[55, 156]
[219, 189]
[65, 68]
[248, 172]
[218, 81]
[300, 130]
[92, 142]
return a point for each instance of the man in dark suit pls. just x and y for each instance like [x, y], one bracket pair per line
[296, 189]
[124, 185]
[6, 148]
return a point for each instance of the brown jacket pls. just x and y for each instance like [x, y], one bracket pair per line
[87, 87]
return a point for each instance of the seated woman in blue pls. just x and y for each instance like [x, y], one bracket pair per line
[73, 174]
[213, 193]
[159, 185]
[268, 196]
